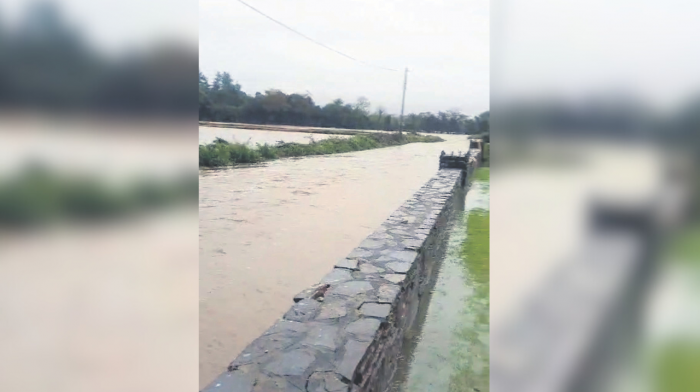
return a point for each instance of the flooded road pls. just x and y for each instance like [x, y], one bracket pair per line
[208, 134]
[268, 232]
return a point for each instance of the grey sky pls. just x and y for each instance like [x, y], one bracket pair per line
[444, 43]
[641, 47]
[113, 26]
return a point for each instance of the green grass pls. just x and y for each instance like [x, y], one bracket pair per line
[475, 251]
[677, 367]
[222, 153]
[474, 255]
[676, 361]
[481, 174]
[475, 258]
[685, 247]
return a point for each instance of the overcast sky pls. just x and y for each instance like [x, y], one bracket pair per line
[539, 46]
[113, 26]
[444, 44]
[644, 48]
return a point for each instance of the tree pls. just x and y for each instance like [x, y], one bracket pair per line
[204, 102]
[203, 82]
[224, 100]
[226, 96]
[362, 105]
[376, 119]
[216, 86]
[387, 123]
[302, 109]
[485, 122]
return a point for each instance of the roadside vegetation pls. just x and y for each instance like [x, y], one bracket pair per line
[481, 174]
[223, 153]
[37, 196]
[475, 251]
[676, 357]
[475, 260]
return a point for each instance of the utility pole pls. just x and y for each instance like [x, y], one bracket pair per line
[403, 99]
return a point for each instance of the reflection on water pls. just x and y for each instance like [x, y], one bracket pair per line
[208, 134]
[270, 231]
[449, 351]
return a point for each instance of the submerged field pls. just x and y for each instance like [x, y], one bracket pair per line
[450, 349]
[223, 153]
[475, 263]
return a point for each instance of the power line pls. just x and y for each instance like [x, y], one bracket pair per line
[311, 39]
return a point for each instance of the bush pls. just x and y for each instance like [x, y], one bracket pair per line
[267, 151]
[223, 153]
[38, 196]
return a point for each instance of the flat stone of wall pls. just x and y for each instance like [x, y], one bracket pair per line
[347, 332]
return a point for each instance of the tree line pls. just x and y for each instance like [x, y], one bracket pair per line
[222, 100]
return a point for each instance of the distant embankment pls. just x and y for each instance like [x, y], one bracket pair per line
[223, 153]
[347, 332]
[283, 128]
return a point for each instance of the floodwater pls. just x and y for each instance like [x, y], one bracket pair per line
[252, 136]
[108, 307]
[449, 349]
[270, 231]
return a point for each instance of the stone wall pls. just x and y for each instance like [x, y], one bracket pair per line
[347, 332]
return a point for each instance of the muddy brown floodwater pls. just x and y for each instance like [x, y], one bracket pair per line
[268, 232]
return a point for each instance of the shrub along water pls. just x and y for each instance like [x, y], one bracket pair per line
[222, 153]
[38, 196]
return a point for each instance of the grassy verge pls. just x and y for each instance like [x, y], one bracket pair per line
[469, 376]
[482, 174]
[487, 154]
[685, 248]
[676, 359]
[475, 251]
[222, 153]
[472, 370]
[677, 367]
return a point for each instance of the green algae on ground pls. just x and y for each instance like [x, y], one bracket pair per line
[677, 365]
[472, 365]
[481, 174]
[471, 359]
[451, 349]
[684, 248]
[675, 358]
[475, 251]
[448, 349]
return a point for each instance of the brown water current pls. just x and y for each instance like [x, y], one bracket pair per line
[270, 231]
